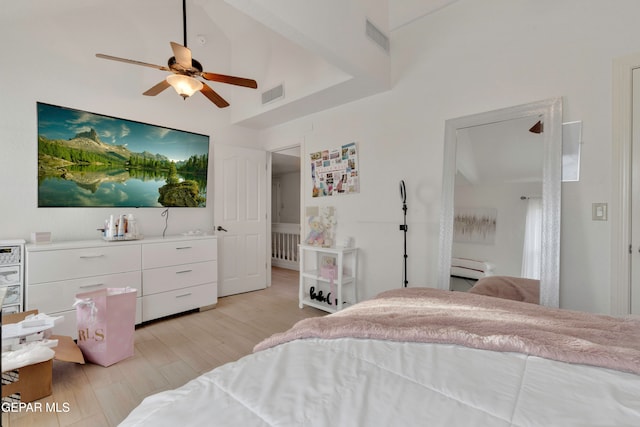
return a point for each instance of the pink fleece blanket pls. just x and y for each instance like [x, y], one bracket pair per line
[477, 321]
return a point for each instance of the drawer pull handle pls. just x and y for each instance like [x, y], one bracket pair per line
[183, 271]
[183, 295]
[183, 247]
[92, 256]
[92, 286]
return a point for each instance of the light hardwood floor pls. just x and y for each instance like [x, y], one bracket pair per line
[168, 353]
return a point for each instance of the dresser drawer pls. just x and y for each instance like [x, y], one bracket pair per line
[10, 275]
[55, 265]
[177, 301]
[178, 252]
[12, 295]
[58, 296]
[178, 276]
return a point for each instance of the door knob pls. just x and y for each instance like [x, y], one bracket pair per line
[219, 228]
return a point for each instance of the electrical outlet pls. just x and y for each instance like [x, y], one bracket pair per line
[599, 211]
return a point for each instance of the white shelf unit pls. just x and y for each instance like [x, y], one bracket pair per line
[345, 282]
[12, 275]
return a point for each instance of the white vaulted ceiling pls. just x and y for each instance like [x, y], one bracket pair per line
[317, 50]
[329, 58]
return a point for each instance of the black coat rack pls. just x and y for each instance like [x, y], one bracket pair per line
[403, 227]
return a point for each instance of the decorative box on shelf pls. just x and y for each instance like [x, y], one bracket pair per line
[328, 277]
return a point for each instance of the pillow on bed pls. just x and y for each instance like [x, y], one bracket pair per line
[507, 287]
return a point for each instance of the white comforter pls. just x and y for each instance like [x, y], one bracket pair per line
[355, 382]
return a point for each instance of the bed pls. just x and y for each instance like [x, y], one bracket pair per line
[421, 356]
[465, 272]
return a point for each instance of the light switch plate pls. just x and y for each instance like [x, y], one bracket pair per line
[599, 211]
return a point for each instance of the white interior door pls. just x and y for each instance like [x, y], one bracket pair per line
[240, 209]
[635, 195]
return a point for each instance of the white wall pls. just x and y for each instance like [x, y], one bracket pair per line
[287, 203]
[505, 253]
[466, 58]
[39, 41]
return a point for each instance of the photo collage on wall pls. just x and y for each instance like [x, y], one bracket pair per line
[335, 171]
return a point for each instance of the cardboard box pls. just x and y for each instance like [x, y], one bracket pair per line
[33, 382]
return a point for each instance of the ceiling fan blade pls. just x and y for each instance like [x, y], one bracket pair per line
[132, 61]
[213, 96]
[182, 55]
[157, 88]
[238, 81]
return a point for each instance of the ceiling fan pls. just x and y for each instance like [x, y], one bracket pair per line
[184, 70]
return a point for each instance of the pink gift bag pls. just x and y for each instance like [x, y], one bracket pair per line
[106, 324]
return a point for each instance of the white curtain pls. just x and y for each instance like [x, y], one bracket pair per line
[532, 251]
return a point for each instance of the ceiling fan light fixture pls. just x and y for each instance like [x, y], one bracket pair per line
[184, 85]
[183, 67]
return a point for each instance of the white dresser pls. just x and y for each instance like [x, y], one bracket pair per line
[178, 275]
[172, 275]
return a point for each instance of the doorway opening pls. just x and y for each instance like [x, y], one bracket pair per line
[285, 208]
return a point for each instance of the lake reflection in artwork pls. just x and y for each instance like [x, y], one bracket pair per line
[130, 193]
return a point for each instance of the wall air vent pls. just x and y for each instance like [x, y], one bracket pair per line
[377, 36]
[273, 94]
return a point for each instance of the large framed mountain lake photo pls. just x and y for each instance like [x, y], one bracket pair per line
[92, 160]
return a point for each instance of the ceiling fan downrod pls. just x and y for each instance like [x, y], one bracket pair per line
[184, 21]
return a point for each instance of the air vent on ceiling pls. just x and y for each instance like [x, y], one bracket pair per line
[273, 94]
[377, 36]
